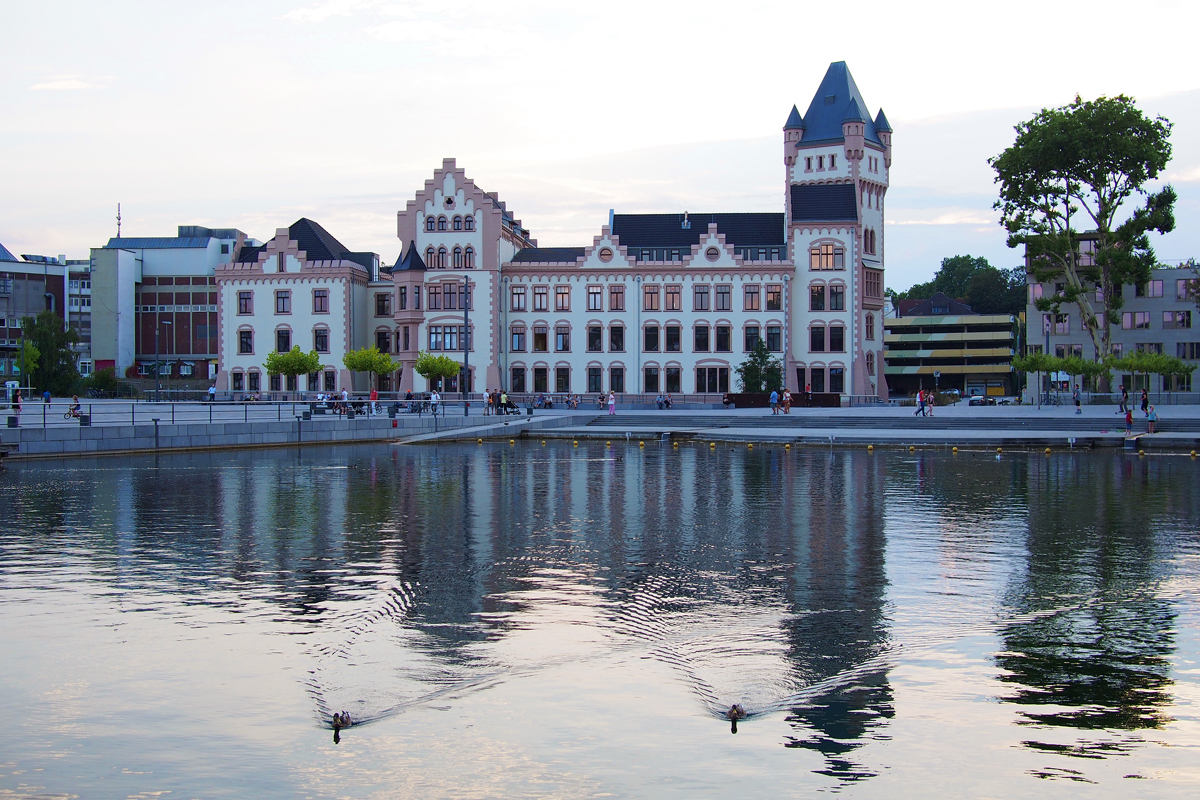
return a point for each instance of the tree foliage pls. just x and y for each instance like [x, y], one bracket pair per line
[1085, 166]
[759, 372]
[972, 279]
[56, 368]
[431, 367]
[30, 357]
[292, 363]
[369, 359]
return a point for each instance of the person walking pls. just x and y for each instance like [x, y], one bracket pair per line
[1076, 397]
[774, 401]
[920, 412]
[212, 393]
[612, 402]
[787, 401]
[1124, 400]
[1145, 402]
[1151, 420]
[434, 399]
[16, 401]
[374, 401]
[46, 397]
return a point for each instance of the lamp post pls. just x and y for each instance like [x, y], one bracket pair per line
[466, 303]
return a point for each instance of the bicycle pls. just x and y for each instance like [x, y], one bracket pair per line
[72, 413]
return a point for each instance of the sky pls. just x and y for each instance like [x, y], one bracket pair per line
[252, 114]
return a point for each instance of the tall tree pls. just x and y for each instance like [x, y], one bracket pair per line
[292, 363]
[759, 372]
[369, 359]
[1087, 162]
[56, 367]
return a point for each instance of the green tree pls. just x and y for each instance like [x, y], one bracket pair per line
[995, 291]
[292, 363]
[759, 372]
[431, 367]
[369, 359]
[31, 357]
[56, 367]
[1085, 163]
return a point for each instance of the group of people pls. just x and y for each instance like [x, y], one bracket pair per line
[781, 403]
[341, 403]
[924, 404]
[664, 401]
[1147, 409]
[495, 401]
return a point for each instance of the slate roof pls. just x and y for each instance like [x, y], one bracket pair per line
[794, 121]
[831, 103]
[666, 230]
[5, 255]
[157, 242]
[824, 202]
[543, 255]
[317, 243]
[945, 305]
[249, 255]
[881, 123]
[409, 261]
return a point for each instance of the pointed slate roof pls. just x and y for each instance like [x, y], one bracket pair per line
[317, 243]
[794, 121]
[5, 255]
[831, 104]
[854, 113]
[409, 261]
[881, 123]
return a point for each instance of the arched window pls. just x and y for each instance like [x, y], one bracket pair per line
[870, 363]
[429, 258]
[469, 223]
[430, 224]
[458, 223]
[870, 327]
[442, 223]
[441, 258]
[458, 258]
[469, 257]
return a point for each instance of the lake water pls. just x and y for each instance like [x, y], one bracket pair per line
[558, 621]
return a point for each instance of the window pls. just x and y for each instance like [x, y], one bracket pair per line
[775, 338]
[1181, 383]
[724, 339]
[434, 300]
[458, 223]
[837, 339]
[254, 382]
[870, 326]
[595, 340]
[616, 339]
[816, 339]
[562, 298]
[430, 258]
[435, 337]
[402, 298]
[1062, 323]
[281, 262]
[562, 379]
[383, 305]
[1189, 351]
[518, 298]
[700, 339]
[430, 224]
[837, 380]
[650, 339]
[751, 299]
[870, 363]
[539, 379]
[562, 339]
[774, 297]
[673, 299]
[283, 340]
[808, 163]
[816, 379]
[518, 339]
[616, 298]
[441, 224]
[605, 254]
[700, 298]
[441, 257]
[1035, 292]
[650, 383]
[245, 302]
[595, 298]
[832, 161]
[1186, 288]
[650, 298]
[672, 336]
[837, 298]
[724, 298]
[407, 341]
[469, 258]
[541, 298]
[449, 295]
[751, 337]
[383, 341]
[246, 342]
[873, 284]
[1154, 289]
[1177, 319]
[330, 380]
[820, 162]
[541, 339]
[826, 256]
[674, 380]
[417, 298]
[816, 298]
[283, 302]
[595, 380]
[1068, 350]
[616, 379]
[238, 382]
[456, 258]
[469, 223]
[1135, 320]
[321, 340]
[1149, 347]
[712, 380]
[518, 379]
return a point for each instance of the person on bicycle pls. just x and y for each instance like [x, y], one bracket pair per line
[75, 407]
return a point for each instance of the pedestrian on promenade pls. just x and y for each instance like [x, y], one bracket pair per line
[1128, 422]
[807, 395]
[503, 402]
[17, 401]
[774, 401]
[1124, 400]
[612, 403]
[374, 401]
[1151, 419]
[1075, 395]
[434, 399]
[920, 412]
[212, 393]
[1145, 402]
[489, 401]
[46, 397]
[787, 402]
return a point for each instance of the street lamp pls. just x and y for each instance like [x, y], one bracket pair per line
[157, 372]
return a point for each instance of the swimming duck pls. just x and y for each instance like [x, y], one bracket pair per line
[342, 720]
[735, 713]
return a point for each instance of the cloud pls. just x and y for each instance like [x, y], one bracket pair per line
[69, 83]
[1185, 176]
[319, 12]
[958, 216]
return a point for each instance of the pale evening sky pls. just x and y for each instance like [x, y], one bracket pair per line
[253, 113]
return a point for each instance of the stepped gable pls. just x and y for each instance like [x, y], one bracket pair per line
[831, 104]
[548, 255]
[824, 202]
[667, 230]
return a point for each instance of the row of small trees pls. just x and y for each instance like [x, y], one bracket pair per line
[294, 363]
[1099, 372]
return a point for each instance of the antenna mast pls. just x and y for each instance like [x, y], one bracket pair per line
[118, 220]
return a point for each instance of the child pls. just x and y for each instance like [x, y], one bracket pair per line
[1129, 422]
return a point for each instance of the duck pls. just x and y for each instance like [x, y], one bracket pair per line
[735, 713]
[342, 720]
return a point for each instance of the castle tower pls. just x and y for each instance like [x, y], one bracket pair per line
[836, 160]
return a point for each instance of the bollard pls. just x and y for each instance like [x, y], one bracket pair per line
[85, 420]
[306, 415]
[12, 422]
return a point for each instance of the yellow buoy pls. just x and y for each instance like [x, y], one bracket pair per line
[1141, 452]
[674, 444]
[608, 444]
[1047, 451]
[999, 449]
[787, 447]
[575, 442]
[953, 449]
[479, 441]
[870, 447]
[512, 441]
[641, 444]
[750, 445]
[1193, 454]
[712, 444]
[911, 448]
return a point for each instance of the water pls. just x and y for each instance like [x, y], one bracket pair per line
[558, 621]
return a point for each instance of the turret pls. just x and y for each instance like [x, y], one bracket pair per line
[884, 130]
[854, 130]
[793, 132]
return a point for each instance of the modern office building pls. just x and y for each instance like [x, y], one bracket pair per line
[154, 300]
[941, 343]
[35, 283]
